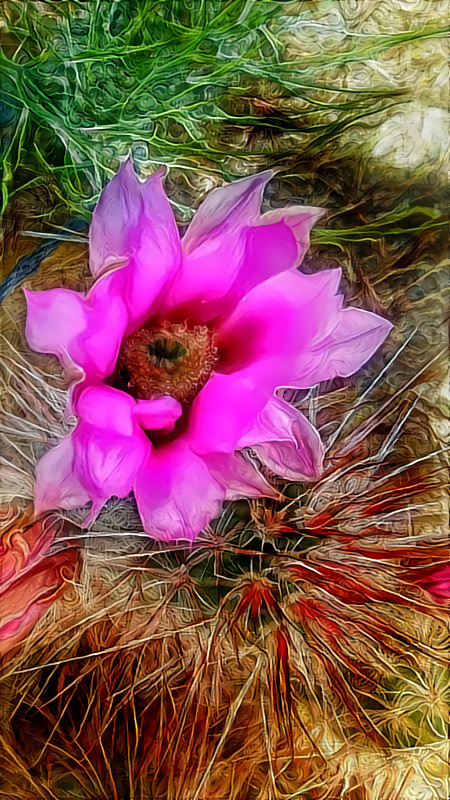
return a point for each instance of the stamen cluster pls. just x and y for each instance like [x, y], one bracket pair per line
[171, 359]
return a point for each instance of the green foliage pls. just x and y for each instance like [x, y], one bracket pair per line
[83, 83]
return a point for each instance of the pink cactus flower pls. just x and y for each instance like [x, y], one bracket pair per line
[434, 579]
[177, 351]
[32, 578]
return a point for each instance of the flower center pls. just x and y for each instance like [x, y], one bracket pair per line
[172, 359]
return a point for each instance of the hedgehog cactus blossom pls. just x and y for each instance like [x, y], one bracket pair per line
[33, 575]
[176, 353]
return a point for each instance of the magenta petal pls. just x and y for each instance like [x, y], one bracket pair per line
[224, 409]
[299, 218]
[176, 494]
[158, 414]
[110, 446]
[222, 269]
[438, 583]
[106, 463]
[128, 206]
[86, 331]
[84, 335]
[101, 457]
[106, 408]
[114, 410]
[277, 243]
[284, 316]
[55, 319]
[206, 276]
[292, 331]
[153, 264]
[259, 343]
[286, 441]
[239, 478]
[213, 246]
[269, 249]
[133, 228]
[56, 485]
[234, 248]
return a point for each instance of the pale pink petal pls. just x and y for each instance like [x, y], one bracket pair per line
[56, 485]
[289, 331]
[356, 337]
[176, 494]
[239, 478]
[115, 220]
[225, 209]
[285, 441]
